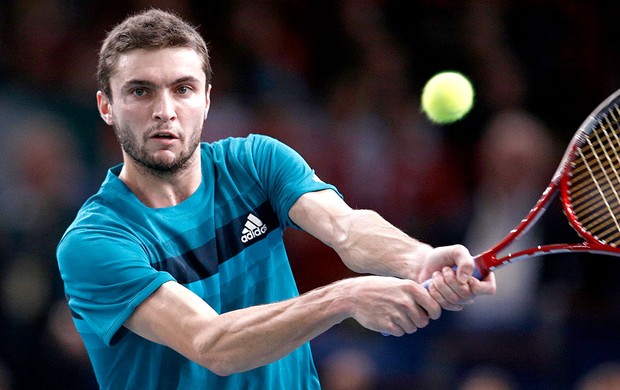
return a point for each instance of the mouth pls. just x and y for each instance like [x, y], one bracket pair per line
[164, 135]
[165, 139]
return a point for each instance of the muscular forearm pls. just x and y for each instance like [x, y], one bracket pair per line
[239, 340]
[365, 241]
[251, 337]
[373, 245]
[259, 335]
[255, 336]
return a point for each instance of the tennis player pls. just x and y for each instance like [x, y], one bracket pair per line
[176, 272]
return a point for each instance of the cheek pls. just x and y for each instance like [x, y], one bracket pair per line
[131, 118]
[196, 116]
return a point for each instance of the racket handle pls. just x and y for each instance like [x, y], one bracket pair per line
[476, 274]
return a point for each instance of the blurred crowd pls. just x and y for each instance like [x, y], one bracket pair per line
[339, 81]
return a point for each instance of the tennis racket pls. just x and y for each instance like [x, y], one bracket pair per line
[588, 182]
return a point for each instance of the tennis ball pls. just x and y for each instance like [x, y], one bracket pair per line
[447, 97]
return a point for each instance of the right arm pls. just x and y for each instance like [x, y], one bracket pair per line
[247, 338]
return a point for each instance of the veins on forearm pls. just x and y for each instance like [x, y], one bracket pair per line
[373, 245]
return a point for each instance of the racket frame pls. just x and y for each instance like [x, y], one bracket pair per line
[489, 260]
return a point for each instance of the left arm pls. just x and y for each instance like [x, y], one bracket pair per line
[367, 243]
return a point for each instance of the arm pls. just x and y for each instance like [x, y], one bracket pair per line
[247, 338]
[367, 243]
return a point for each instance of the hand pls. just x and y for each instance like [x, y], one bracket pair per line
[391, 305]
[453, 289]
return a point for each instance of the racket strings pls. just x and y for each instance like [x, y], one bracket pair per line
[595, 180]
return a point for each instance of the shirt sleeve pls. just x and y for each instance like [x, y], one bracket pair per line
[285, 175]
[107, 275]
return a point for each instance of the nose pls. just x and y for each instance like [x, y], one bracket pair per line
[164, 108]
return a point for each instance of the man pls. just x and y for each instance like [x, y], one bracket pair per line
[176, 272]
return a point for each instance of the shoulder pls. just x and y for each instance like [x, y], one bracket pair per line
[101, 209]
[246, 151]
[240, 143]
[102, 215]
[94, 224]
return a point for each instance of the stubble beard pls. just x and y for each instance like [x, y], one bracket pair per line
[150, 164]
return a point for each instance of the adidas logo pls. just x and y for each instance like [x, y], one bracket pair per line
[254, 227]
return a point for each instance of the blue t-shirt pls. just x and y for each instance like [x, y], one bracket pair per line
[224, 243]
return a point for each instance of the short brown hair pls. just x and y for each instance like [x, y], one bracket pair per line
[149, 29]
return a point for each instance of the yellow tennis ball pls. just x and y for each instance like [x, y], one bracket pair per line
[447, 97]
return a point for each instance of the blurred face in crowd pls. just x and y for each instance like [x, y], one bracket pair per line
[160, 102]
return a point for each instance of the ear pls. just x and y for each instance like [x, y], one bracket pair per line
[105, 108]
[207, 101]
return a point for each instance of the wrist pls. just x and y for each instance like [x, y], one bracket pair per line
[342, 298]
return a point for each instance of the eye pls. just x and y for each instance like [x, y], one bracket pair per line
[184, 89]
[139, 92]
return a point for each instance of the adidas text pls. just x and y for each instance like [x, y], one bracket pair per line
[253, 228]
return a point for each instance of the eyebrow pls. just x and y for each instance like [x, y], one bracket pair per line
[152, 85]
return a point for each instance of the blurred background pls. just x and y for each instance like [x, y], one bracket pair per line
[338, 80]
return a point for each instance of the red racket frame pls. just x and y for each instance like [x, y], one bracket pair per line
[488, 260]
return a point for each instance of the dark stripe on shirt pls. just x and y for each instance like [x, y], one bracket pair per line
[203, 262]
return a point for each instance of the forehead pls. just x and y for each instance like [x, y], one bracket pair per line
[158, 65]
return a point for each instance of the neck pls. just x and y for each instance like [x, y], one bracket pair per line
[158, 191]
